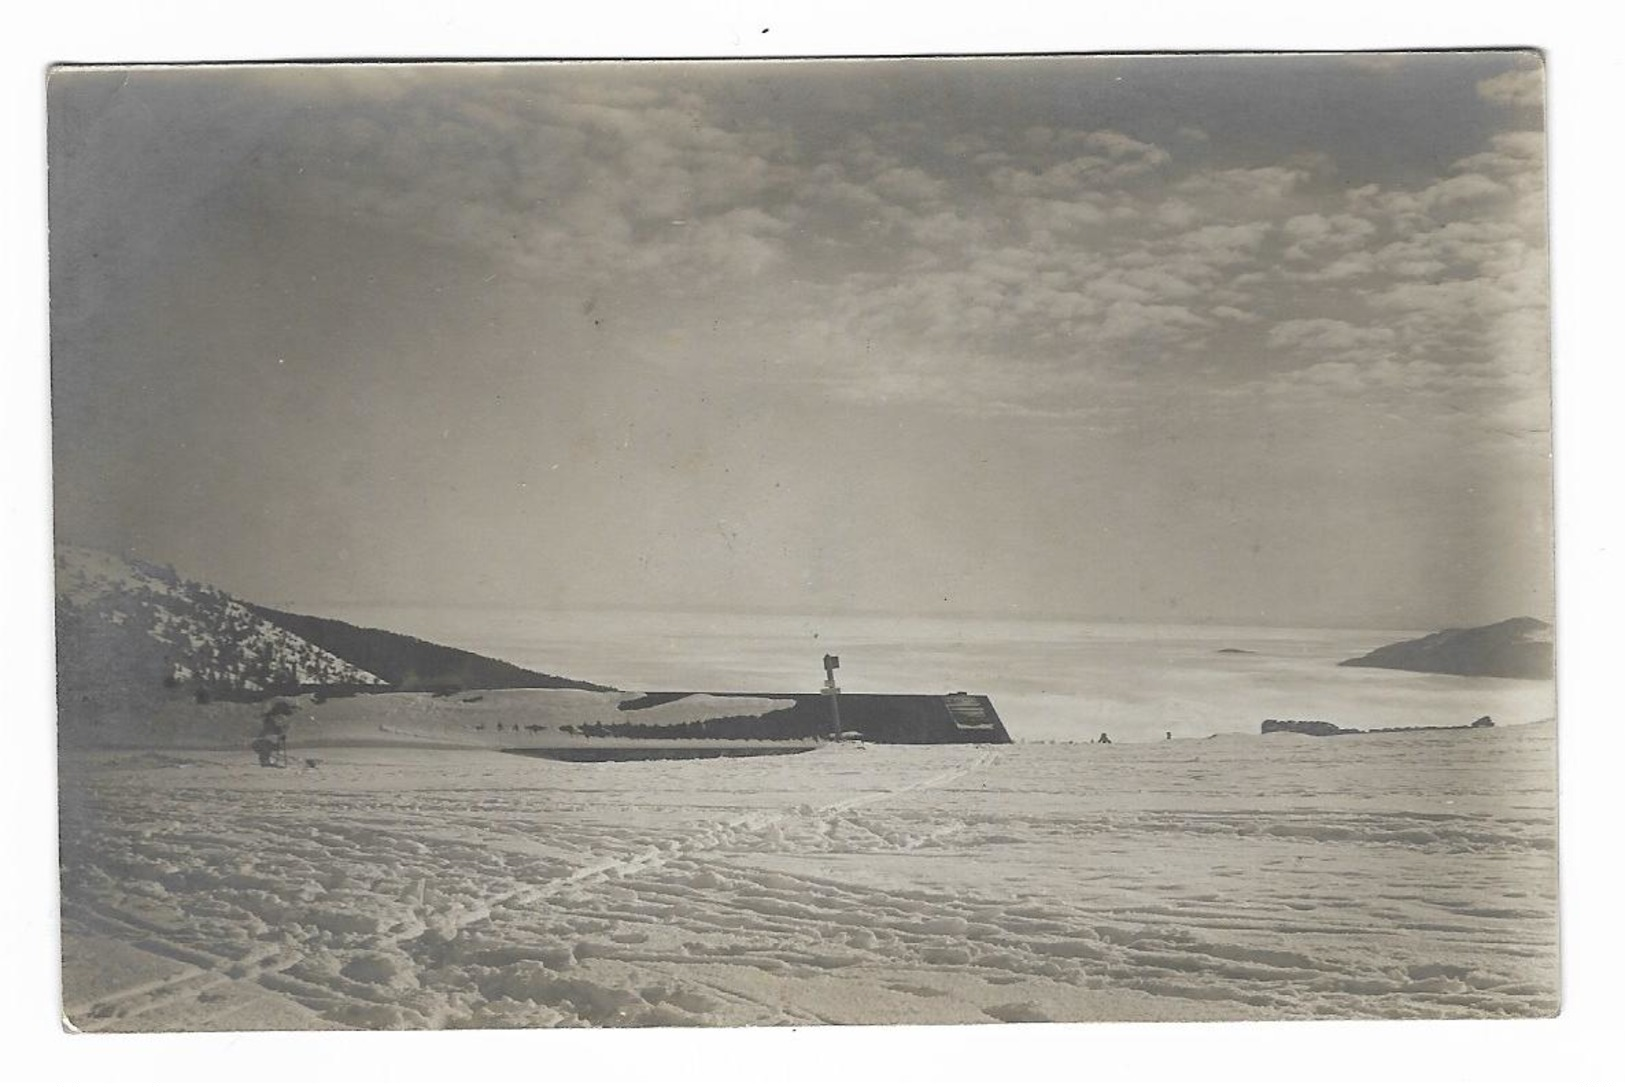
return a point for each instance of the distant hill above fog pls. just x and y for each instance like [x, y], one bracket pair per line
[128, 628]
[1512, 649]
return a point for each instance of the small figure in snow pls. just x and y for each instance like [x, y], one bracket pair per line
[265, 747]
[271, 745]
[1104, 739]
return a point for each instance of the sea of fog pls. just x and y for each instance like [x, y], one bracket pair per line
[1050, 680]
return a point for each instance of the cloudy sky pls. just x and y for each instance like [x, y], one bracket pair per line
[1184, 338]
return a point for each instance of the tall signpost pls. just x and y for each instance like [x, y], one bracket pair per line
[832, 662]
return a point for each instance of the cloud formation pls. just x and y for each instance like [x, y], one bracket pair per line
[1023, 253]
[1252, 288]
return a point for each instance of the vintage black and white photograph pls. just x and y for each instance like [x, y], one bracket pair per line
[929, 540]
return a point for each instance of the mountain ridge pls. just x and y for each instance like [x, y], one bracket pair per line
[407, 663]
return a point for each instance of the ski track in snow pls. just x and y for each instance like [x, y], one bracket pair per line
[946, 884]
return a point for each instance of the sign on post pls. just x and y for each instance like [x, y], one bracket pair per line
[832, 662]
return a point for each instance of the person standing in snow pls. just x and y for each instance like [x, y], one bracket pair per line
[271, 745]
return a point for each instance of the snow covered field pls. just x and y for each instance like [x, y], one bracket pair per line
[1240, 876]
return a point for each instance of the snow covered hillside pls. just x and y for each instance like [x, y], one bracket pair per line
[130, 624]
